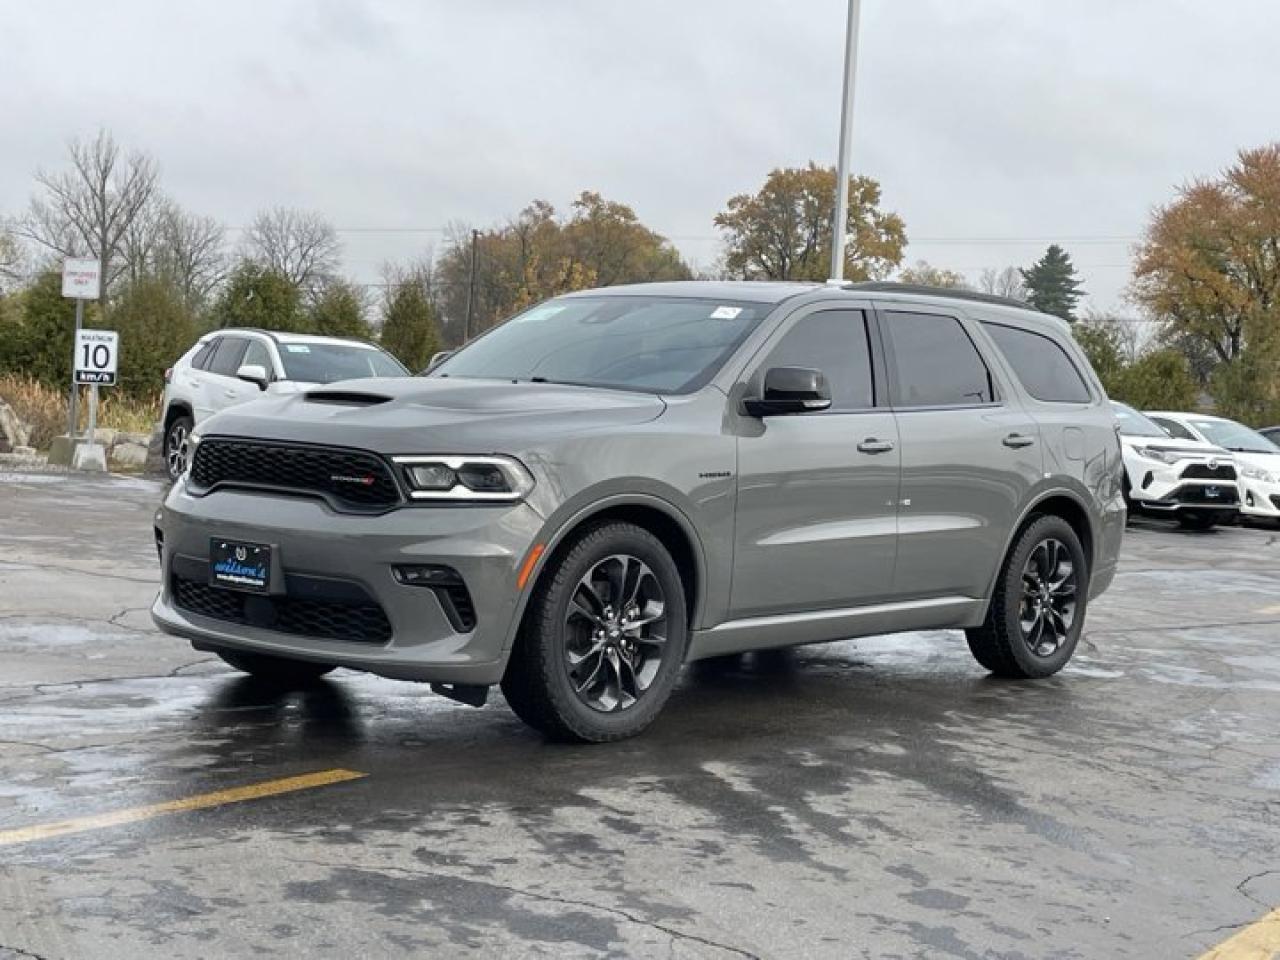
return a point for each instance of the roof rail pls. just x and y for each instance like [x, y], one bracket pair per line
[923, 289]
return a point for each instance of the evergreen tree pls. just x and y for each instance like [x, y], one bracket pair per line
[338, 311]
[255, 296]
[409, 324]
[1052, 284]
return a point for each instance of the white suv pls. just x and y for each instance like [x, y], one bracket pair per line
[232, 366]
[1190, 480]
[1257, 457]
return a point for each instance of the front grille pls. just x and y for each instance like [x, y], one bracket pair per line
[347, 478]
[1202, 471]
[350, 622]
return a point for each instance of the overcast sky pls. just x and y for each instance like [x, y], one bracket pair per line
[995, 126]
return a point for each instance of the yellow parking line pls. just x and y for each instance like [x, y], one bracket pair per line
[1275, 609]
[268, 788]
[1258, 941]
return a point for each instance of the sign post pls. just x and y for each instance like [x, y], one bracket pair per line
[97, 360]
[81, 281]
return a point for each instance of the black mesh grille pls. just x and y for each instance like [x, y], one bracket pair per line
[348, 478]
[324, 619]
[1202, 471]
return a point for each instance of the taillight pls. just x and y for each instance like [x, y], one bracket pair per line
[168, 375]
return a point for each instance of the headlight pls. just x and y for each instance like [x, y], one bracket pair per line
[464, 478]
[1151, 453]
[1257, 473]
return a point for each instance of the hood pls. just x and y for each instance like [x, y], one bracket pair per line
[1257, 458]
[1191, 448]
[434, 414]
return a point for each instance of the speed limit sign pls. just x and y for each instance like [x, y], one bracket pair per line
[97, 354]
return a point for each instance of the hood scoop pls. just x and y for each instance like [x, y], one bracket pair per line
[346, 398]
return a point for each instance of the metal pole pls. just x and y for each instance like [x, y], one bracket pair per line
[846, 143]
[471, 286]
[73, 421]
[93, 411]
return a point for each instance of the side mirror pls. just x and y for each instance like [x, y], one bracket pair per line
[791, 390]
[254, 373]
[438, 358]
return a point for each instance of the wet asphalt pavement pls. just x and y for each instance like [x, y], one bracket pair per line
[874, 798]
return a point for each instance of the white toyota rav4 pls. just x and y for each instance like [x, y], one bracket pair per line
[1257, 457]
[232, 366]
[1190, 480]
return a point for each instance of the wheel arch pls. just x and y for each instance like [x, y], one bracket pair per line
[660, 517]
[1059, 502]
[177, 408]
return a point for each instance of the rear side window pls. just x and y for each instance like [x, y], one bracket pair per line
[227, 360]
[935, 363]
[835, 342]
[202, 357]
[1042, 366]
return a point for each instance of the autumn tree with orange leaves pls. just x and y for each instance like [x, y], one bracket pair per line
[1209, 268]
[783, 232]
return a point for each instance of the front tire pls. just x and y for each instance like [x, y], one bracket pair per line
[176, 442]
[276, 670]
[603, 640]
[1037, 611]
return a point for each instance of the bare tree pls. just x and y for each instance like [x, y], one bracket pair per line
[299, 245]
[192, 250]
[88, 209]
[1131, 335]
[1003, 283]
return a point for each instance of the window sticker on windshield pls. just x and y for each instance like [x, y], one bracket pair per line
[725, 313]
[539, 313]
[297, 348]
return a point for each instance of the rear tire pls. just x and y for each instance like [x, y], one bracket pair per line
[1037, 611]
[578, 671]
[278, 670]
[1197, 521]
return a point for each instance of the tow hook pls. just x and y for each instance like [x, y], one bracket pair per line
[472, 694]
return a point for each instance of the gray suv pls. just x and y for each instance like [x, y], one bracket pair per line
[617, 482]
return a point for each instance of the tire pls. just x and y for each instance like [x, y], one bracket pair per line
[175, 446]
[1196, 520]
[276, 670]
[1002, 644]
[576, 664]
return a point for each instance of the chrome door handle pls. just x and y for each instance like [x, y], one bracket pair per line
[1016, 440]
[872, 445]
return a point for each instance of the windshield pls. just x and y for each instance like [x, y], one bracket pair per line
[654, 344]
[327, 362]
[1134, 424]
[1234, 436]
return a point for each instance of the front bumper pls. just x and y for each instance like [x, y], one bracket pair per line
[1259, 499]
[314, 546]
[1166, 491]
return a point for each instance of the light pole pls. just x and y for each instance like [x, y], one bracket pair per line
[846, 142]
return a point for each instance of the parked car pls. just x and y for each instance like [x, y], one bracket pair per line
[616, 482]
[1257, 458]
[1191, 481]
[232, 366]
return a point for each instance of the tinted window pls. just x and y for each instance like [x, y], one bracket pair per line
[327, 362]
[835, 342]
[935, 363]
[1042, 366]
[227, 360]
[1175, 429]
[201, 360]
[656, 344]
[259, 354]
